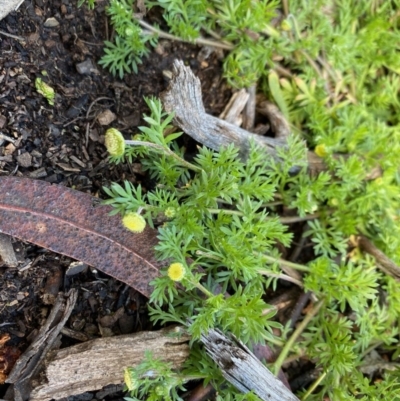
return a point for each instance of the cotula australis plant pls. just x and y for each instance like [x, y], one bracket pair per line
[333, 69]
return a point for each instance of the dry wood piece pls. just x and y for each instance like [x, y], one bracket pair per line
[384, 263]
[234, 108]
[249, 113]
[98, 363]
[183, 97]
[7, 253]
[241, 368]
[8, 6]
[8, 356]
[29, 363]
[279, 125]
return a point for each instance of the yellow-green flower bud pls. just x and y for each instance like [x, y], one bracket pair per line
[129, 32]
[128, 379]
[170, 212]
[176, 271]
[159, 390]
[285, 25]
[134, 222]
[115, 142]
[333, 202]
[320, 150]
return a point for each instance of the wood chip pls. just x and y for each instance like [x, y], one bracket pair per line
[67, 167]
[9, 149]
[39, 173]
[249, 113]
[3, 121]
[51, 23]
[24, 160]
[77, 161]
[234, 108]
[7, 251]
[106, 117]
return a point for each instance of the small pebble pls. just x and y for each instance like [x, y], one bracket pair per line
[85, 67]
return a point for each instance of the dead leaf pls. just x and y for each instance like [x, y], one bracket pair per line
[8, 357]
[69, 222]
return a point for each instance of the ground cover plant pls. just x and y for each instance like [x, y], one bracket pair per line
[332, 68]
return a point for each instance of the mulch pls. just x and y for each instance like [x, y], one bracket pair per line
[63, 144]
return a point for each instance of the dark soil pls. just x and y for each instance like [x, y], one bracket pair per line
[63, 144]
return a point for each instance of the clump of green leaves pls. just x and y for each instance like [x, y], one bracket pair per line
[153, 379]
[130, 45]
[219, 212]
[45, 90]
[244, 27]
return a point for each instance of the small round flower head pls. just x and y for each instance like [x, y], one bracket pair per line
[176, 271]
[170, 212]
[285, 25]
[114, 142]
[159, 390]
[129, 381]
[134, 222]
[321, 151]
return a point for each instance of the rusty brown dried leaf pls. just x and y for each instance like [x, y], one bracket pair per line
[71, 223]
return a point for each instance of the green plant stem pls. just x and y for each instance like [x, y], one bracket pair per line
[286, 349]
[226, 211]
[203, 289]
[283, 220]
[314, 386]
[200, 287]
[198, 41]
[296, 219]
[166, 151]
[284, 262]
[208, 255]
[285, 7]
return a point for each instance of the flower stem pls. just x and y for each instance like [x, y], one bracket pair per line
[198, 41]
[203, 289]
[281, 277]
[286, 349]
[313, 386]
[166, 151]
[286, 263]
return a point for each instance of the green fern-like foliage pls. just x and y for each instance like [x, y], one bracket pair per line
[333, 69]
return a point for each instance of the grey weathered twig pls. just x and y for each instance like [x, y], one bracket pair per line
[241, 368]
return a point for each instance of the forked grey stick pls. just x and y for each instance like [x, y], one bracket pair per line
[183, 97]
